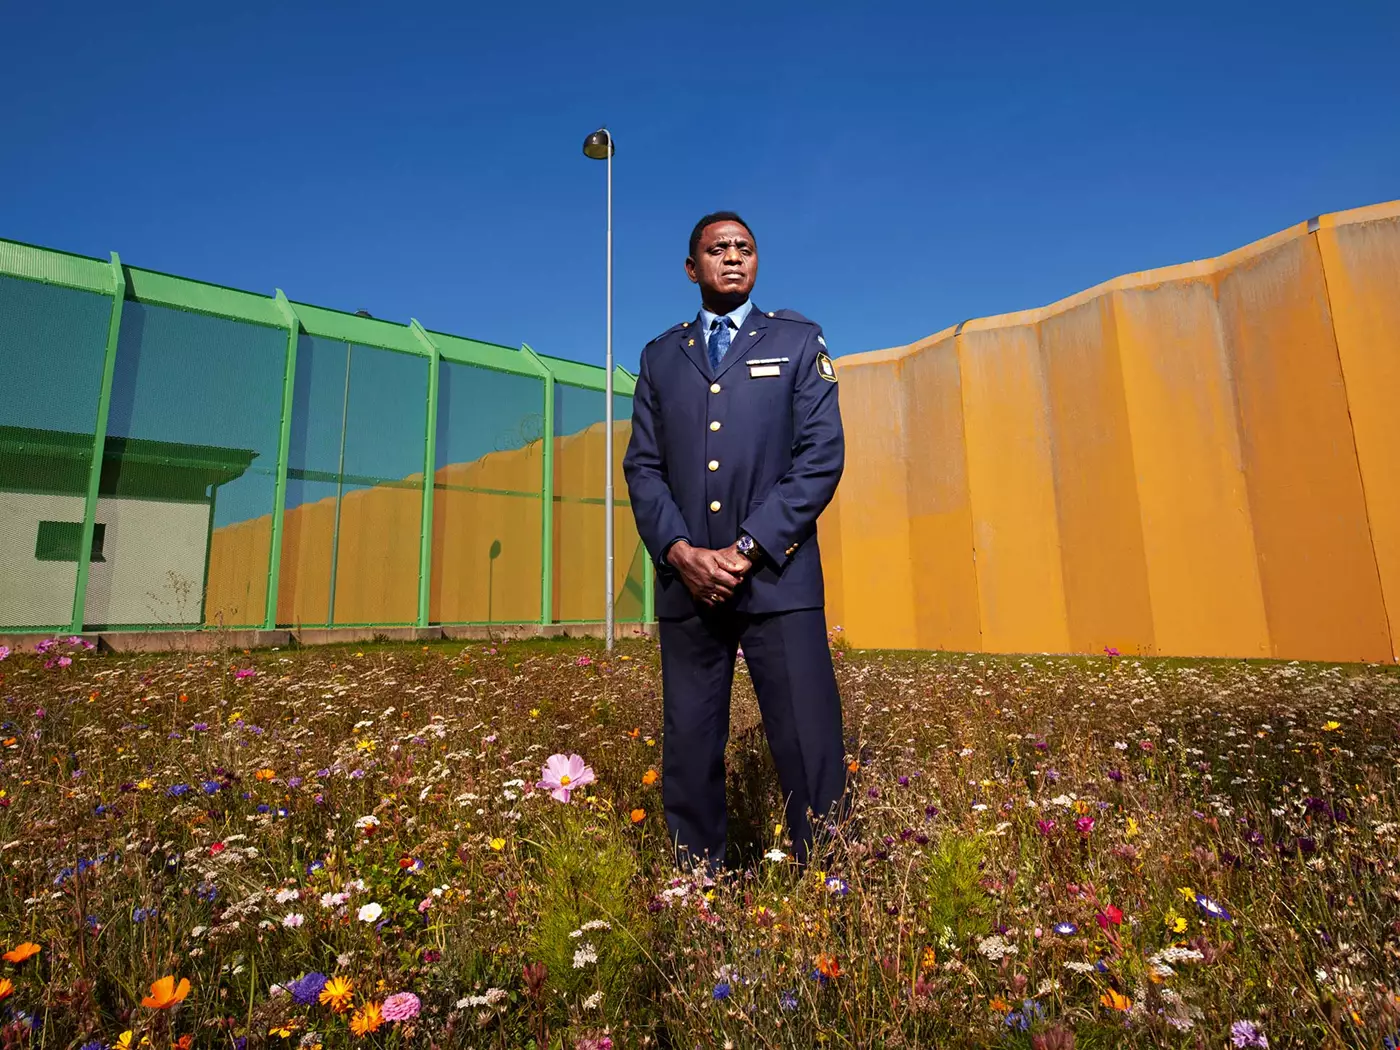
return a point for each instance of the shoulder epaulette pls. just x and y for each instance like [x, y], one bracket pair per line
[792, 315]
[674, 328]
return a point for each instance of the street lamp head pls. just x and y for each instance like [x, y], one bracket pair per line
[599, 145]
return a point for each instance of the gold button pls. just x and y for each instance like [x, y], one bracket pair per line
[714, 505]
[714, 425]
[714, 388]
[714, 464]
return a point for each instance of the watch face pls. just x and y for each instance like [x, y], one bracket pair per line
[745, 544]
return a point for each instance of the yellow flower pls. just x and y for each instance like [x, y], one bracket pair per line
[498, 844]
[1187, 892]
[7, 988]
[367, 1019]
[364, 745]
[1174, 922]
[1133, 828]
[145, 785]
[651, 742]
[338, 994]
[929, 961]
[283, 1030]
[534, 712]
[234, 717]
[1331, 727]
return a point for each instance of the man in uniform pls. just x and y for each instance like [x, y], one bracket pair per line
[736, 449]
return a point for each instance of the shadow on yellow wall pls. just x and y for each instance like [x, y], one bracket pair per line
[1202, 460]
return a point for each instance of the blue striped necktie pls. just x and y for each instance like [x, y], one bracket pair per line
[719, 341]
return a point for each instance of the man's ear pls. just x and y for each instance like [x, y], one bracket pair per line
[690, 270]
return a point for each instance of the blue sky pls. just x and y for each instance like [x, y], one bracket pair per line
[904, 167]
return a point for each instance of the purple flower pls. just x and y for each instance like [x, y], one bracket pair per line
[1045, 827]
[837, 887]
[1084, 825]
[305, 990]
[199, 727]
[245, 672]
[788, 1000]
[1216, 911]
[721, 991]
[1115, 775]
[1065, 929]
[1247, 1033]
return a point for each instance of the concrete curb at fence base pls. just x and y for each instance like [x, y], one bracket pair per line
[218, 641]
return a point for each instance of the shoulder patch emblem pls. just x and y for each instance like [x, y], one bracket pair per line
[825, 368]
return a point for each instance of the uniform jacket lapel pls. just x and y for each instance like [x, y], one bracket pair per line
[743, 343]
[693, 344]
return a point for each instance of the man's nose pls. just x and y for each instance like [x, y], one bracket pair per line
[733, 257]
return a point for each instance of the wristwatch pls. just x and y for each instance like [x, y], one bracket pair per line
[746, 546]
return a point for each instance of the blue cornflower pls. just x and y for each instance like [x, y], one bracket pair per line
[837, 887]
[1033, 1010]
[91, 1044]
[63, 876]
[207, 891]
[721, 990]
[1211, 908]
[142, 914]
[305, 990]
[1065, 929]
[177, 789]
[263, 807]
[788, 1000]
[210, 787]
[1017, 1020]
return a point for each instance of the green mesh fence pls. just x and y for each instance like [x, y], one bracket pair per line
[266, 463]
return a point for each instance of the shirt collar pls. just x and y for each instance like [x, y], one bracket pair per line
[737, 316]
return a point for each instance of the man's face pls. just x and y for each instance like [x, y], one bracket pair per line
[725, 264]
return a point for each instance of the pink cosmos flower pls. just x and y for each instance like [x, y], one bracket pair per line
[401, 1006]
[563, 775]
[1085, 825]
[246, 672]
[584, 661]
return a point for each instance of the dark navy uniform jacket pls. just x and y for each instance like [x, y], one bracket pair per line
[755, 446]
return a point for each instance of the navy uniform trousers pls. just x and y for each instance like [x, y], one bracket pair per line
[753, 446]
[790, 661]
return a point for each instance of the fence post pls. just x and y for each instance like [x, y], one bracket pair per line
[546, 493]
[284, 443]
[425, 532]
[99, 441]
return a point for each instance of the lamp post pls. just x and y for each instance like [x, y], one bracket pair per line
[600, 146]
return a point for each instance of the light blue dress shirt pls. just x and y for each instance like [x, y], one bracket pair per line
[736, 317]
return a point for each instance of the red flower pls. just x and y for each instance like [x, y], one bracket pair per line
[1109, 916]
[217, 847]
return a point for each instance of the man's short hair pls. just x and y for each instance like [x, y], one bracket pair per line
[710, 220]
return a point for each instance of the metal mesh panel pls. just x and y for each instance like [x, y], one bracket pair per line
[189, 471]
[351, 532]
[486, 497]
[579, 452]
[52, 343]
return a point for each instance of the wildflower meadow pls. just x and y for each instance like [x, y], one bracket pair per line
[464, 847]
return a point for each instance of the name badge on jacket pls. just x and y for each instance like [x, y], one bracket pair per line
[760, 367]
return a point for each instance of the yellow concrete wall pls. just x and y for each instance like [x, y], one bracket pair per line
[1197, 460]
[377, 580]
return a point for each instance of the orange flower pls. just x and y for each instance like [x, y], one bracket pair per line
[1114, 1001]
[165, 993]
[367, 1019]
[25, 951]
[999, 1004]
[638, 815]
[7, 987]
[853, 766]
[635, 732]
[650, 777]
[827, 966]
[265, 773]
[185, 1042]
[338, 994]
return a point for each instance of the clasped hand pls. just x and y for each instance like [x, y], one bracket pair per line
[711, 576]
